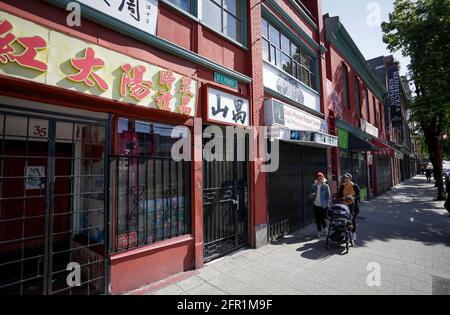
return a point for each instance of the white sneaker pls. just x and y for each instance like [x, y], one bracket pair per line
[354, 237]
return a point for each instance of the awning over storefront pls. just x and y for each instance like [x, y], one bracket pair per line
[353, 139]
[386, 150]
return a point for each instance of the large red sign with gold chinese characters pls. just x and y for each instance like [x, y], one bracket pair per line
[36, 53]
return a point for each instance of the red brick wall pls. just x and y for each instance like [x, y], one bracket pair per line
[257, 178]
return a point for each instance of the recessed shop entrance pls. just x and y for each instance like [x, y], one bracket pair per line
[52, 205]
[225, 206]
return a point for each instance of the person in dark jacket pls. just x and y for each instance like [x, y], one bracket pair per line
[321, 201]
[349, 194]
[428, 173]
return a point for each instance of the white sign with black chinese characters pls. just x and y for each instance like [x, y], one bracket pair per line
[227, 108]
[276, 80]
[369, 128]
[140, 14]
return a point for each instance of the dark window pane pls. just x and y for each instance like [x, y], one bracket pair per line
[295, 53]
[304, 58]
[285, 45]
[212, 15]
[266, 54]
[278, 57]
[357, 97]
[294, 69]
[274, 36]
[312, 64]
[182, 4]
[305, 76]
[150, 205]
[232, 27]
[273, 51]
[313, 81]
[286, 63]
[234, 7]
[345, 85]
[265, 28]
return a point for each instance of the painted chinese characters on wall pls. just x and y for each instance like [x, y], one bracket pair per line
[25, 54]
[73, 64]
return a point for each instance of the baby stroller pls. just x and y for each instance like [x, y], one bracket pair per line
[340, 229]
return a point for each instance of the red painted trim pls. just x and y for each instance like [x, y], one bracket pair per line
[116, 258]
[147, 290]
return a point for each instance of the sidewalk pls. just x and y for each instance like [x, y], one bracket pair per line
[405, 231]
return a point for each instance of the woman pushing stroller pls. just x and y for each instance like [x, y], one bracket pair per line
[349, 194]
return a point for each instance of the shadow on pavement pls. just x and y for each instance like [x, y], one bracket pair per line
[407, 212]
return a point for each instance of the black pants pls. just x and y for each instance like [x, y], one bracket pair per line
[355, 213]
[320, 214]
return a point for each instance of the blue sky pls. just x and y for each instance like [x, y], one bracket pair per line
[354, 15]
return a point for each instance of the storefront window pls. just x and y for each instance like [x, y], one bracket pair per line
[225, 16]
[280, 51]
[152, 191]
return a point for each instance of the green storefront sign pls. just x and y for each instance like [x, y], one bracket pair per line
[223, 79]
[343, 139]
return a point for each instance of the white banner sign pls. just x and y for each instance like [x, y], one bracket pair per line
[280, 114]
[141, 14]
[369, 128]
[290, 87]
[228, 108]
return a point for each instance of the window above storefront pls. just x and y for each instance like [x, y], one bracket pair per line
[226, 17]
[185, 5]
[284, 53]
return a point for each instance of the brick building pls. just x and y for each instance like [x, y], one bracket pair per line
[356, 101]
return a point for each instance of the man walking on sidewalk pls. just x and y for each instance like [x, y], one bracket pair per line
[428, 173]
[321, 197]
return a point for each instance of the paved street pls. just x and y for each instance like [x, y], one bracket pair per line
[404, 231]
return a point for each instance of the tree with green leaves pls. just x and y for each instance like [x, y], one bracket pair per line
[421, 29]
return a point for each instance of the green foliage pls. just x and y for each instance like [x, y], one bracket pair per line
[421, 29]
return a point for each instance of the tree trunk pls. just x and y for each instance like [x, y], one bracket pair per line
[437, 166]
[435, 149]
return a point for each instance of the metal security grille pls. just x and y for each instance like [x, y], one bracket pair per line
[152, 200]
[383, 167]
[52, 205]
[355, 164]
[225, 210]
[289, 188]
[314, 160]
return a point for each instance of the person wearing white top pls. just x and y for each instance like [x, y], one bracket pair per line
[321, 200]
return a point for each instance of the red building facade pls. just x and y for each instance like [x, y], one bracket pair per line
[108, 103]
[93, 114]
[356, 104]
